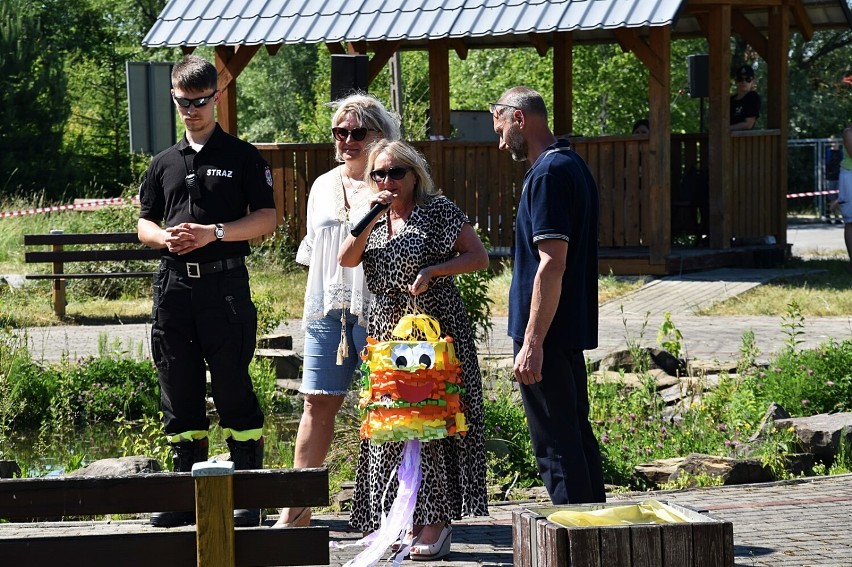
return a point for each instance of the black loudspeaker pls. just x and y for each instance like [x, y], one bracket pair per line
[348, 75]
[699, 71]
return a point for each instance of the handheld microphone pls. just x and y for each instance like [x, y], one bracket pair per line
[368, 218]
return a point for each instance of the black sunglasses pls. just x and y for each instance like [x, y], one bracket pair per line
[197, 102]
[358, 134]
[395, 173]
[744, 79]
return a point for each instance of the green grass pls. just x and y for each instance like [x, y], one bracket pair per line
[276, 278]
[827, 292]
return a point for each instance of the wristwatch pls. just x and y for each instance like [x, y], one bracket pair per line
[220, 231]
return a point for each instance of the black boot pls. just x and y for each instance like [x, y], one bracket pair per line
[246, 455]
[184, 455]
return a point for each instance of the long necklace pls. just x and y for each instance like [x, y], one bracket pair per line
[354, 191]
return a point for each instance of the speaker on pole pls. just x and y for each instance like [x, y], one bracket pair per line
[698, 67]
[348, 75]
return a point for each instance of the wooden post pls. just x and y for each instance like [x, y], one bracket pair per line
[214, 513]
[58, 284]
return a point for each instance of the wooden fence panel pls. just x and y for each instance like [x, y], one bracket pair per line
[486, 183]
[755, 192]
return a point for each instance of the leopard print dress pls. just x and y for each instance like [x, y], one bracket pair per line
[453, 469]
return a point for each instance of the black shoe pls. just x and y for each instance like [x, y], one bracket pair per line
[184, 455]
[246, 455]
[172, 519]
[244, 518]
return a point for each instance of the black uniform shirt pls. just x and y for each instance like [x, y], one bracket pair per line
[231, 176]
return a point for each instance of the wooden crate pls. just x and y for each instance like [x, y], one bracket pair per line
[703, 542]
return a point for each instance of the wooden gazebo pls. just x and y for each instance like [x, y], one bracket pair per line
[745, 172]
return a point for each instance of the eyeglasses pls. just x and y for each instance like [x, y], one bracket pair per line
[358, 134]
[493, 106]
[196, 102]
[744, 79]
[395, 173]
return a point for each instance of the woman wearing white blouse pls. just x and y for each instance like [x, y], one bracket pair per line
[336, 298]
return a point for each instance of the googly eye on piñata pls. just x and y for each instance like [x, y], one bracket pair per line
[411, 387]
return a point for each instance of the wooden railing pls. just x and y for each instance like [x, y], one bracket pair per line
[485, 183]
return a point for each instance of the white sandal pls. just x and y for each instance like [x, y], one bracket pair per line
[427, 552]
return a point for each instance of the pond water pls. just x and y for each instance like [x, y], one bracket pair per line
[41, 453]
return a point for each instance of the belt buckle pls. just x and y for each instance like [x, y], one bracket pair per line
[193, 269]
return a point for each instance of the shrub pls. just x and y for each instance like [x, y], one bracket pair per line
[104, 388]
[811, 381]
[506, 424]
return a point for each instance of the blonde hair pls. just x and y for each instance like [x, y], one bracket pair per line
[405, 155]
[369, 112]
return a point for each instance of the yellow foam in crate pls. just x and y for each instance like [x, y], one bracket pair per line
[646, 512]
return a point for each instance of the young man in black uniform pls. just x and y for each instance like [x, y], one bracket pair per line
[194, 200]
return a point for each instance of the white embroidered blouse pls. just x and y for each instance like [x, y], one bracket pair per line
[331, 286]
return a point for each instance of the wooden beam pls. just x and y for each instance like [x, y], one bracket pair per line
[232, 62]
[629, 39]
[746, 30]
[357, 47]
[187, 49]
[803, 22]
[335, 48]
[439, 88]
[460, 47]
[95, 496]
[719, 134]
[778, 111]
[659, 148]
[175, 546]
[381, 55]
[539, 42]
[273, 49]
[563, 83]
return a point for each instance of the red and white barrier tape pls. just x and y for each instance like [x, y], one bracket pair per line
[83, 205]
[811, 194]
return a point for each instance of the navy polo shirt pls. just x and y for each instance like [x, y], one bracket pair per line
[559, 200]
[232, 176]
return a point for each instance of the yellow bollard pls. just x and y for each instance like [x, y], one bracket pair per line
[214, 513]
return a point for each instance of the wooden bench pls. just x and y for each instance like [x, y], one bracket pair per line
[130, 249]
[101, 544]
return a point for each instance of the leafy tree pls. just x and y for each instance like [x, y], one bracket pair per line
[276, 94]
[820, 84]
[33, 101]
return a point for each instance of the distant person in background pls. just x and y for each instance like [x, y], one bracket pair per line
[745, 103]
[642, 127]
[843, 203]
[833, 157]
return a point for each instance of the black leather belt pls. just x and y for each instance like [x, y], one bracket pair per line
[196, 270]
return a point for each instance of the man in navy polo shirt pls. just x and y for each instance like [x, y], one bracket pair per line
[194, 202]
[553, 300]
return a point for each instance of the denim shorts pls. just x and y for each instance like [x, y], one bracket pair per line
[320, 372]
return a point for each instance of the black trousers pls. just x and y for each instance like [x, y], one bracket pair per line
[565, 447]
[199, 323]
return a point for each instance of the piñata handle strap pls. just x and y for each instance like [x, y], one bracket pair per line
[412, 325]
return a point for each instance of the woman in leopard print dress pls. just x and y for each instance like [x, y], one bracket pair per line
[411, 254]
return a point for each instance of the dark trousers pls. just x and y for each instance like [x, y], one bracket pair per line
[557, 408]
[199, 323]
